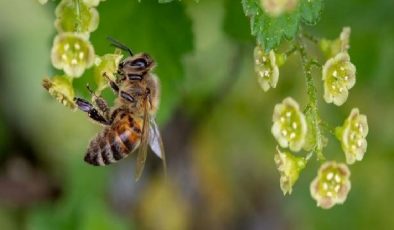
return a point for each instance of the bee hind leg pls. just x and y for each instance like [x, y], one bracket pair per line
[92, 112]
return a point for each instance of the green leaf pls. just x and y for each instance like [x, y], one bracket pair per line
[235, 23]
[164, 31]
[271, 31]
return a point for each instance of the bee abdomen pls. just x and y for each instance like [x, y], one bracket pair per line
[110, 146]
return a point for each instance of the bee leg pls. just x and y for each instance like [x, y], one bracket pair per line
[113, 85]
[92, 112]
[100, 103]
[127, 96]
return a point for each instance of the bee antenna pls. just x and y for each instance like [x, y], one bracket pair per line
[119, 45]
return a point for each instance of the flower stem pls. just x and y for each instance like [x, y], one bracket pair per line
[312, 104]
[78, 16]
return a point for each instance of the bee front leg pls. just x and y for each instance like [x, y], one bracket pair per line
[100, 103]
[113, 85]
[92, 112]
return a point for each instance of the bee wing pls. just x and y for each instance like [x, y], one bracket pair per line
[156, 143]
[143, 149]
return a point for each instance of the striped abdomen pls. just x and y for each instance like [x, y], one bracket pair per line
[115, 142]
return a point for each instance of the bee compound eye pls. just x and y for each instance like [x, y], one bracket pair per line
[139, 63]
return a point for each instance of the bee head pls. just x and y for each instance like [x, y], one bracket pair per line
[137, 64]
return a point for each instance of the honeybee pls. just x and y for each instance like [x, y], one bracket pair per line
[130, 123]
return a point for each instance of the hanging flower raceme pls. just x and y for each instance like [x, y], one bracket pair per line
[76, 18]
[339, 75]
[289, 167]
[275, 8]
[266, 68]
[73, 53]
[60, 87]
[331, 185]
[289, 126]
[352, 136]
[107, 64]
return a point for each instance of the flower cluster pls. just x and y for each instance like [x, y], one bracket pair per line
[266, 68]
[72, 51]
[298, 130]
[331, 185]
[289, 126]
[352, 136]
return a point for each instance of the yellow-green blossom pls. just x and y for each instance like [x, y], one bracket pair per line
[339, 75]
[331, 185]
[332, 47]
[60, 87]
[352, 136]
[266, 68]
[69, 19]
[289, 167]
[276, 8]
[107, 64]
[73, 53]
[93, 3]
[289, 126]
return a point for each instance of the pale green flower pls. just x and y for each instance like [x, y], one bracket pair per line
[43, 2]
[73, 53]
[266, 68]
[352, 136]
[332, 184]
[107, 64]
[289, 127]
[339, 75]
[60, 87]
[93, 3]
[67, 19]
[289, 167]
[276, 8]
[332, 47]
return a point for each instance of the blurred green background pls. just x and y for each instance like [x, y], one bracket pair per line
[215, 123]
